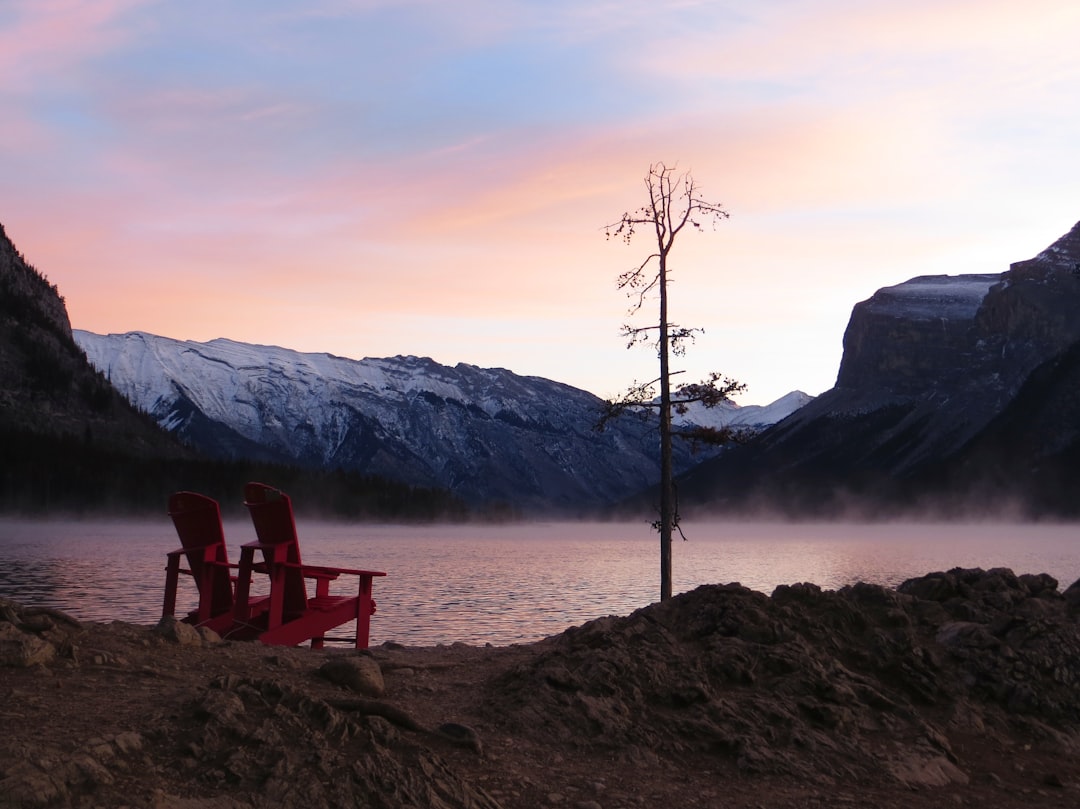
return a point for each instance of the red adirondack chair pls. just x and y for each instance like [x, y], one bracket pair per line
[292, 617]
[198, 524]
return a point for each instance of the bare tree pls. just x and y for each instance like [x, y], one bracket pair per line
[674, 203]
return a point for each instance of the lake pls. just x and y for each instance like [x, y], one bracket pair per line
[504, 584]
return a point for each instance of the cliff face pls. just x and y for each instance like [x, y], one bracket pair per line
[915, 336]
[935, 371]
[1034, 313]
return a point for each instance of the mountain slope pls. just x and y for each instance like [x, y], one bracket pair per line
[940, 378]
[47, 388]
[486, 434]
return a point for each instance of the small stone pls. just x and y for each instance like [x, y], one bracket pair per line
[360, 673]
[462, 735]
[128, 742]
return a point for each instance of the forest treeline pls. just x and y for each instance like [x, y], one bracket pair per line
[64, 475]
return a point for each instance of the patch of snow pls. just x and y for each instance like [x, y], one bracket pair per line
[934, 297]
[729, 414]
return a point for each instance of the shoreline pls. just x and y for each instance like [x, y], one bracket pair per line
[958, 689]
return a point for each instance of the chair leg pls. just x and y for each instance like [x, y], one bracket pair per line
[172, 578]
[363, 613]
[242, 606]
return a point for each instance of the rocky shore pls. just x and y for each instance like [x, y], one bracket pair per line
[958, 688]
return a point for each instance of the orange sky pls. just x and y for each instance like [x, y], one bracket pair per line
[379, 178]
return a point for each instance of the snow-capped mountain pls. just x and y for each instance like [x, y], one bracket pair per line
[730, 414]
[487, 434]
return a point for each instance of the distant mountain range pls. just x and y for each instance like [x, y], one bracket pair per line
[487, 435]
[956, 396]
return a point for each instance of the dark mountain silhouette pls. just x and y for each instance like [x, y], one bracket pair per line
[47, 388]
[956, 396]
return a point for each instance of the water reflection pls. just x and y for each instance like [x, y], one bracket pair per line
[508, 584]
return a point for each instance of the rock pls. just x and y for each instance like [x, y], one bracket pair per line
[462, 736]
[1040, 584]
[23, 649]
[932, 587]
[960, 635]
[178, 631]
[1072, 595]
[937, 771]
[359, 673]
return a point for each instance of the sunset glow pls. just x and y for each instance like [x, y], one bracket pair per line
[371, 178]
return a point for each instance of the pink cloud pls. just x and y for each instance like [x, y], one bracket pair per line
[50, 37]
[204, 219]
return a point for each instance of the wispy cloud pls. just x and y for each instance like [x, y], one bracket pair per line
[369, 177]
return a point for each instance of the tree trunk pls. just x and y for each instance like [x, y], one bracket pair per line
[667, 491]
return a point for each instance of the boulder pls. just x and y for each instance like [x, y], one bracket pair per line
[359, 673]
[178, 631]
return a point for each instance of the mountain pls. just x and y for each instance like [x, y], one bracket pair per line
[488, 435]
[47, 388]
[70, 443]
[752, 417]
[957, 394]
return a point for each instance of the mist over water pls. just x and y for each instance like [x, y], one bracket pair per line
[505, 584]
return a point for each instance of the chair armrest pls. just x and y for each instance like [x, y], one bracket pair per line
[320, 570]
[214, 562]
[323, 572]
[260, 546]
[192, 548]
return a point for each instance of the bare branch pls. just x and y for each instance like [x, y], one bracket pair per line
[712, 391]
[715, 436]
[674, 201]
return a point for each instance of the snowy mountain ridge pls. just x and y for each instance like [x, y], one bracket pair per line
[486, 434]
[730, 414]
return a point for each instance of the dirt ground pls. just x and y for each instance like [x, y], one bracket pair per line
[109, 722]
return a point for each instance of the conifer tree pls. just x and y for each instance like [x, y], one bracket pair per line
[674, 202]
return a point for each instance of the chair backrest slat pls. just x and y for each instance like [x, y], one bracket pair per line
[272, 515]
[198, 524]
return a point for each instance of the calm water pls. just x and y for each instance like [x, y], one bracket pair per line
[518, 583]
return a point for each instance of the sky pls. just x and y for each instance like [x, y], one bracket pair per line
[371, 178]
